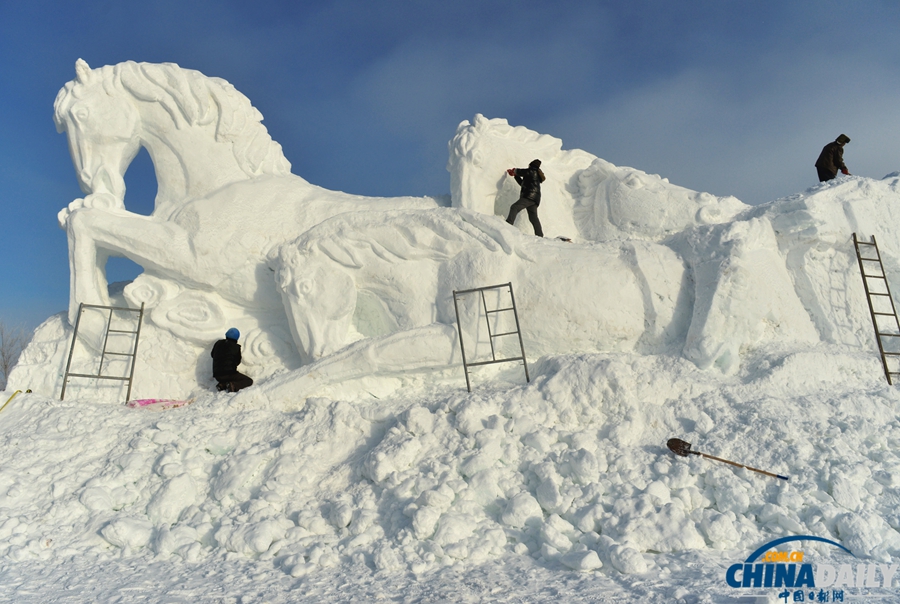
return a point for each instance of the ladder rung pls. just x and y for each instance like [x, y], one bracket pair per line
[885, 314]
[877, 294]
[497, 361]
[875, 277]
[893, 335]
[121, 331]
[891, 354]
[129, 309]
[508, 333]
[120, 354]
[500, 310]
[97, 377]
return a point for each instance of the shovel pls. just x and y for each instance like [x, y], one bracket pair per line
[682, 448]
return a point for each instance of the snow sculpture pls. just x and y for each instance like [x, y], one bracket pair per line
[374, 275]
[623, 203]
[480, 153]
[745, 294]
[226, 194]
[349, 286]
[583, 195]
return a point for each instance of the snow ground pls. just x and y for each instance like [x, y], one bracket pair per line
[93, 514]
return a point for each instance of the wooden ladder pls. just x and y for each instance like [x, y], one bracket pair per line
[877, 293]
[491, 336]
[106, 352]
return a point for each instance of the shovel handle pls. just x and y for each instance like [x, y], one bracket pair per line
[741, 466]
[9, 399]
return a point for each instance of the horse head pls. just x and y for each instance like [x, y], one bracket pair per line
[200, 132]
[482, 151]
[490, 146]
[102, 128]
[320, 298]
[617, 202]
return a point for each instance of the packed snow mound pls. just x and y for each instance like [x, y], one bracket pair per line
[570, 469]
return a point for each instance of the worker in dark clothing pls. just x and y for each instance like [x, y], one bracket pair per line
[226, 355]
[832, 159]
[530, 179]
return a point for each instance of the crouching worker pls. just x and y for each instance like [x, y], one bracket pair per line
[226, 355]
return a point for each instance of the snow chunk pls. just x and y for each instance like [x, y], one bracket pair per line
[131, 533]
[521, 510]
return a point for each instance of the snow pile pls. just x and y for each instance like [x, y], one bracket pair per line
[570, 469]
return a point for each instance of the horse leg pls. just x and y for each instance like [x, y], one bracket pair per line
[435, 346]
[95, 234]
[87, 274]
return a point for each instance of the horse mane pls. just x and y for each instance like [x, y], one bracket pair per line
[191, 98]
[356, 239]
[468, 135]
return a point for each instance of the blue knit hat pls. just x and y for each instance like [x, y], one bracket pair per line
[233, 334]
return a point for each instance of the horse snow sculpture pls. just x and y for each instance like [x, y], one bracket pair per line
[382, 273]
[226, 196]
[583, 195]
[614, 202]
[480, 153]
[391, 275]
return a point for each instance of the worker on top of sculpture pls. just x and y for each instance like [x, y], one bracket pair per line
[226, 355]
[530, 179]
[831, 159]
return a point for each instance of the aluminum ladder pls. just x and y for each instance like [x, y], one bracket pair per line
[879, 298]
[491, 336]
[136, 333]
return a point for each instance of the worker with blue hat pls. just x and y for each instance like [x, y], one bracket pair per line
[226, 355]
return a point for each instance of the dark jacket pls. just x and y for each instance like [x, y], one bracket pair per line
[831, 159]
[530, 179]
[226, 355]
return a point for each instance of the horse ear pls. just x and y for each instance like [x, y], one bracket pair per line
[82, 71]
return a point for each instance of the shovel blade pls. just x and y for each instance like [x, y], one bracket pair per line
[679, 447]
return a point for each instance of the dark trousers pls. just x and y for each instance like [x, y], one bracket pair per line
[825, 174]
[529, 206]
[232, 382]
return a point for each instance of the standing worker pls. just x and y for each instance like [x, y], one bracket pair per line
[530, 198]
[226, 355]
[831, 159]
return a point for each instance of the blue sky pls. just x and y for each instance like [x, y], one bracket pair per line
[734, 98]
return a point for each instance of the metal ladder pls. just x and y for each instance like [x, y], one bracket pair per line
[491, 336]
[106, 352]
[876, 297]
